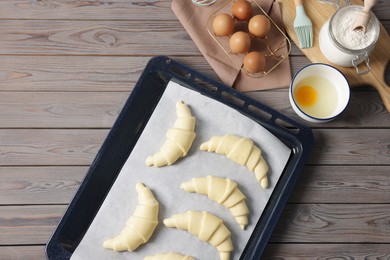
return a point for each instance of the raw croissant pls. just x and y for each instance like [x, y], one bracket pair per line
[223, 191]
[168, 256]
[178, 139]
[241, 150]
[139, 227]
[207, 227]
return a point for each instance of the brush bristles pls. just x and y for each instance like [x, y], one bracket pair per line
[305, 36]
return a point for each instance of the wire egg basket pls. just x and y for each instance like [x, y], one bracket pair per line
[273, 49]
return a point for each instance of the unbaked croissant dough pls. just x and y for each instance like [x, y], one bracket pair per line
[207, 227]
[169, 256]
[178, 139]
[223, 191]
[139, 227]
[241, 150]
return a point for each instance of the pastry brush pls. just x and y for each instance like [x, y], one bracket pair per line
[303, 26]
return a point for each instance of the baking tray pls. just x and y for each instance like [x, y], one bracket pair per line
[128, 127]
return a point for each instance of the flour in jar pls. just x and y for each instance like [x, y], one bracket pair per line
[349, 38]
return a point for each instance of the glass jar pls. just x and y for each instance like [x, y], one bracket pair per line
[343, 46]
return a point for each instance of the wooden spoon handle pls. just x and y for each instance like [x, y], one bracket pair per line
[368, 4]
[300, 2]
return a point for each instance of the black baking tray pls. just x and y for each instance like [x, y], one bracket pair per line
[128, 127]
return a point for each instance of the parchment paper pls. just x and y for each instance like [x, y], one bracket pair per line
[213, 118]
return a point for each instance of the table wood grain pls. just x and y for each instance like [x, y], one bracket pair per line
[66, 69]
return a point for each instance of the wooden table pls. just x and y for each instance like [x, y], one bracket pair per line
[66, 69]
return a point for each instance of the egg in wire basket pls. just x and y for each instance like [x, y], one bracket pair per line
[265, 52]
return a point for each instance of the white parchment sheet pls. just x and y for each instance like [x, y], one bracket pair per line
[213, 118]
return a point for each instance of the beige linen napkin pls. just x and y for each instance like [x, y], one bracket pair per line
[194, 19]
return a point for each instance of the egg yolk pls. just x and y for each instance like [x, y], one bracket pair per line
[306, 96]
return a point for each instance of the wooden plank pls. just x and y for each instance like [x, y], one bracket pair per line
[39, 185]
[63, 73]
[108, 10]
[317, 184]
[79, 146]
[326, 251]
[80, 73]
[49, 147]
[92, 73]
[64, 37]
[87, 10]
[28, 225]
[22, 252]
[89, 73]
[60, 109]
[300, 223]
[343, 184]
[351, 146]
[333, 223]
[272, 251]
[100, 109]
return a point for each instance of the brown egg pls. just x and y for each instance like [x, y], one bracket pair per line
[254, 62]
[242, 10]
[223, 25]
[240, 42]
[259, 26]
